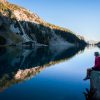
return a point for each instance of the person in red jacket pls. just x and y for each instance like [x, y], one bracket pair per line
[96, 66]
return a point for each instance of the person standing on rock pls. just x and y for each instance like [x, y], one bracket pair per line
[96, 66]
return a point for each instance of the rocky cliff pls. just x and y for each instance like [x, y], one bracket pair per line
[19, 25]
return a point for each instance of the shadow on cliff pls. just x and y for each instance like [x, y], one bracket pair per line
[36, 32]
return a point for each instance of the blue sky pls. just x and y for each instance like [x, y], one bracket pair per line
[80, 16]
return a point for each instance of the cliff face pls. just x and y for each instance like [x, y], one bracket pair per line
[19, 25]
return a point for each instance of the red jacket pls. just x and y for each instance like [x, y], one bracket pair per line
[97, 62]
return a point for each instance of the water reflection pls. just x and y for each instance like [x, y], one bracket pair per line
[18, 64]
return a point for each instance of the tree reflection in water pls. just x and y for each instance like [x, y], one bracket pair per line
[18, 64]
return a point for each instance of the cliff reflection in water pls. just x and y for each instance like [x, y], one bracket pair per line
[17, 65]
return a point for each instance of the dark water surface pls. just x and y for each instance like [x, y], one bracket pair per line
[57, 74]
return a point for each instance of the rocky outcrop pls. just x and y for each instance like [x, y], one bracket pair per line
[95, 85]
[93, 93]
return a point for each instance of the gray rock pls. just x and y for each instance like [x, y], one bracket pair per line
[95, 84]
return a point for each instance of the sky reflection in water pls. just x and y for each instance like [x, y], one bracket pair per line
[61, 81]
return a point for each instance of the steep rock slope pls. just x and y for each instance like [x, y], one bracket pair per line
[18, 25]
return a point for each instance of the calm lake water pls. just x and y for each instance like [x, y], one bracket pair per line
[57, 74]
